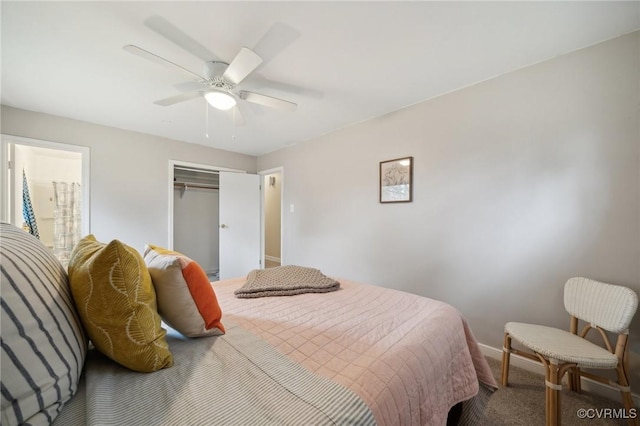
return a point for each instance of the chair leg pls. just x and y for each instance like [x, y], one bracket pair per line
[553, 387]
[575, 383]
[625, 391]
[506, 354]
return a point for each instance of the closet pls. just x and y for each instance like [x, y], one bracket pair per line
[196, 203]
[216, 218]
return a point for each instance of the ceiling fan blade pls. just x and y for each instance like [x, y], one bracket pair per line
[178, 98]
[174, 34]
[188, 86]
[267, 101]
[242, 65]
[275, 40]
[259, 81]
[160, 60]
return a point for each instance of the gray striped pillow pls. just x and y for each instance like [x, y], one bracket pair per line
[43, 343]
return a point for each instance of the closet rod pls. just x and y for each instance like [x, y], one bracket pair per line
[187, 185]
[191, 169]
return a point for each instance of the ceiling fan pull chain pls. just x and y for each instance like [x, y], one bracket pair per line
[206, 113]
[233, 133]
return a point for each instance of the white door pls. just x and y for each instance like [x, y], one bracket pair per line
[239, 224]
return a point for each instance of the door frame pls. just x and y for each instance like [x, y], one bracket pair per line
[200, 166]
[9, 180]
[263, 173]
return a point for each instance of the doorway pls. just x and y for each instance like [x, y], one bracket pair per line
[272, 184]
[45, 190]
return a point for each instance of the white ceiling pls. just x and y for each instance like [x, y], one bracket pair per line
[341, 62]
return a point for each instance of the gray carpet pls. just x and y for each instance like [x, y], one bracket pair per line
[522, 402]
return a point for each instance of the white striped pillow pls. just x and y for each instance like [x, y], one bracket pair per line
[43, 343]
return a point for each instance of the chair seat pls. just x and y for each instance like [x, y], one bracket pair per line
[561, 345]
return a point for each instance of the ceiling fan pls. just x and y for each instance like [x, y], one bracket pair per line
[219, 81]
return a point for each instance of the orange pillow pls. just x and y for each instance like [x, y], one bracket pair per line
[186, 300]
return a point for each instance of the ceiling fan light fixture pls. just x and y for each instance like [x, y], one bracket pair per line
[220, 100]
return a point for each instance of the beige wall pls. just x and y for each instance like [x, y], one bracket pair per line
[521, 182]
[129, 172]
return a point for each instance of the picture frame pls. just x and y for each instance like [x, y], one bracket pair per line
[396, 180]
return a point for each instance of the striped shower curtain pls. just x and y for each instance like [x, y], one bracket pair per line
[67, 228]
[27, 208]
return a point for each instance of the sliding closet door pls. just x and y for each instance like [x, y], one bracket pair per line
[239, 224]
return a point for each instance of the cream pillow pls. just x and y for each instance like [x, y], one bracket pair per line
[186, 299]
[112, 289]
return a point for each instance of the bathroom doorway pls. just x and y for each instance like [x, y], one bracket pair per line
[46, 191]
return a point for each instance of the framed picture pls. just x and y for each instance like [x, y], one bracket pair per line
[396, 180]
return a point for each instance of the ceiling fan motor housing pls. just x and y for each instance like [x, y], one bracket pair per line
[213, 72]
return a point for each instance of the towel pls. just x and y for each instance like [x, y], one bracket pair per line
[27, 208]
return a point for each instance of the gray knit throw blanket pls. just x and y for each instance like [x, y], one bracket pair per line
[286, 281]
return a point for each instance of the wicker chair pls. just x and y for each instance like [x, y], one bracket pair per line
[603, 307]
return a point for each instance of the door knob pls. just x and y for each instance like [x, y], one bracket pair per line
[223, 226]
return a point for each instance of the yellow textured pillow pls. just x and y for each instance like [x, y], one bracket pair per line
[116, 300]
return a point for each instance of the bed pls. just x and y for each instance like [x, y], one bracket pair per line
[358, 355]
[409, 358]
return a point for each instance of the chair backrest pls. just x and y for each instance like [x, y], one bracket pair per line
[608, 306]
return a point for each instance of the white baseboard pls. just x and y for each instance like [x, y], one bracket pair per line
[588, 385]
[272, 258]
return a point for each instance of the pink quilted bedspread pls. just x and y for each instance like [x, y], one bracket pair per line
[408, 357]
